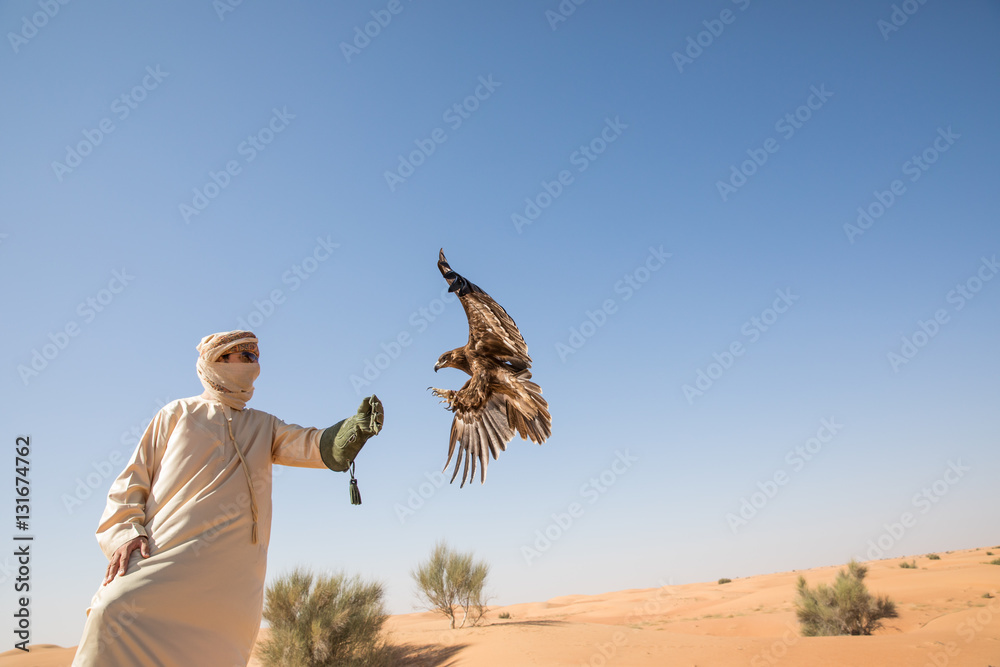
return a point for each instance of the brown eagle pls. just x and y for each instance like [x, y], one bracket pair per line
[500, 397]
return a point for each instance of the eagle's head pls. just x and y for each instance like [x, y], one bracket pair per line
[452, 359]
[446, 360]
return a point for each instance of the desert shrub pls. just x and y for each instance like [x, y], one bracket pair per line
[450, 581]
[325, 621]
[989, 553]
[995, 561]
[912, 565]
[724, 580]
[933, 557]
[846, 608]
[987, 595]
[505, 614]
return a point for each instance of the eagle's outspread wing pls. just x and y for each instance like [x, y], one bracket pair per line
[492, 332]
[499, 399]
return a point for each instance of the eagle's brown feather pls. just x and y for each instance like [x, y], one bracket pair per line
[499, 399]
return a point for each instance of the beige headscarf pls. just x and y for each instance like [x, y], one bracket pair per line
[229, 384]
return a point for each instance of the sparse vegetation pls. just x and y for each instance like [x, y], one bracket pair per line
[912, 565]
[987, 595]
[724, 580]
[450, 581]
[933, 557]
[989, 553]
[846, 608]
[995, 561]
[505, 614]
[325, 621]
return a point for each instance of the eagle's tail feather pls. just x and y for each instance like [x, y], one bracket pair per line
[529, 416]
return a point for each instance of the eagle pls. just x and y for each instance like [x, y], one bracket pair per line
[500, 398]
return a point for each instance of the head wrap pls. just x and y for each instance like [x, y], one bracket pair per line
[229, 384]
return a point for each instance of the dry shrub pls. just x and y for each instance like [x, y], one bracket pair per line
[450, 581]
[846, 608]
[325, 621]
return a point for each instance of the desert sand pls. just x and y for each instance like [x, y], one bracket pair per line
[944, 619]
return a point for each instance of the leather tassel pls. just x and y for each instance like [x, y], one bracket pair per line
[355, 493]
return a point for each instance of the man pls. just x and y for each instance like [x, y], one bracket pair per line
[188, 521]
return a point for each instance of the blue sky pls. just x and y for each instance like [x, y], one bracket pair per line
[172, 170]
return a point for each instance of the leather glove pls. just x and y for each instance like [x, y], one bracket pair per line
[340, 444]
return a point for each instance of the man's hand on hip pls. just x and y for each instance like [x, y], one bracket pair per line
[119, 559]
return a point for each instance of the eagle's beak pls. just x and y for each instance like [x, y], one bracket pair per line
[437, 366]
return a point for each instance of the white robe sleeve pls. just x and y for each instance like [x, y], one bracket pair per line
[124, 515]
[296, 446]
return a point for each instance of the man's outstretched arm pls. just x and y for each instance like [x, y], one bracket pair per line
[335, 447]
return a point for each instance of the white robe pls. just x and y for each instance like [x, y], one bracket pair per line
[197, 599]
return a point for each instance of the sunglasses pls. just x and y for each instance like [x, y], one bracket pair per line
[249, 357]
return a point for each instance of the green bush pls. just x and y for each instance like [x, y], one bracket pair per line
[912, 565]
[933, 557]
[987, 596]
[847, 608]
[995, 561]
[505, 614]
[325, 621]
[450, 581]
[724, 580]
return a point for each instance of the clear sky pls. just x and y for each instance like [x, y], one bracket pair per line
[752, 248]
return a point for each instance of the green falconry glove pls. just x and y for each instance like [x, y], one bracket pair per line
[340, 444]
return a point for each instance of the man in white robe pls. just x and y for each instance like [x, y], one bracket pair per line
[188, 521]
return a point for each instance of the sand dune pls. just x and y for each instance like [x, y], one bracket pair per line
[944, 620]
